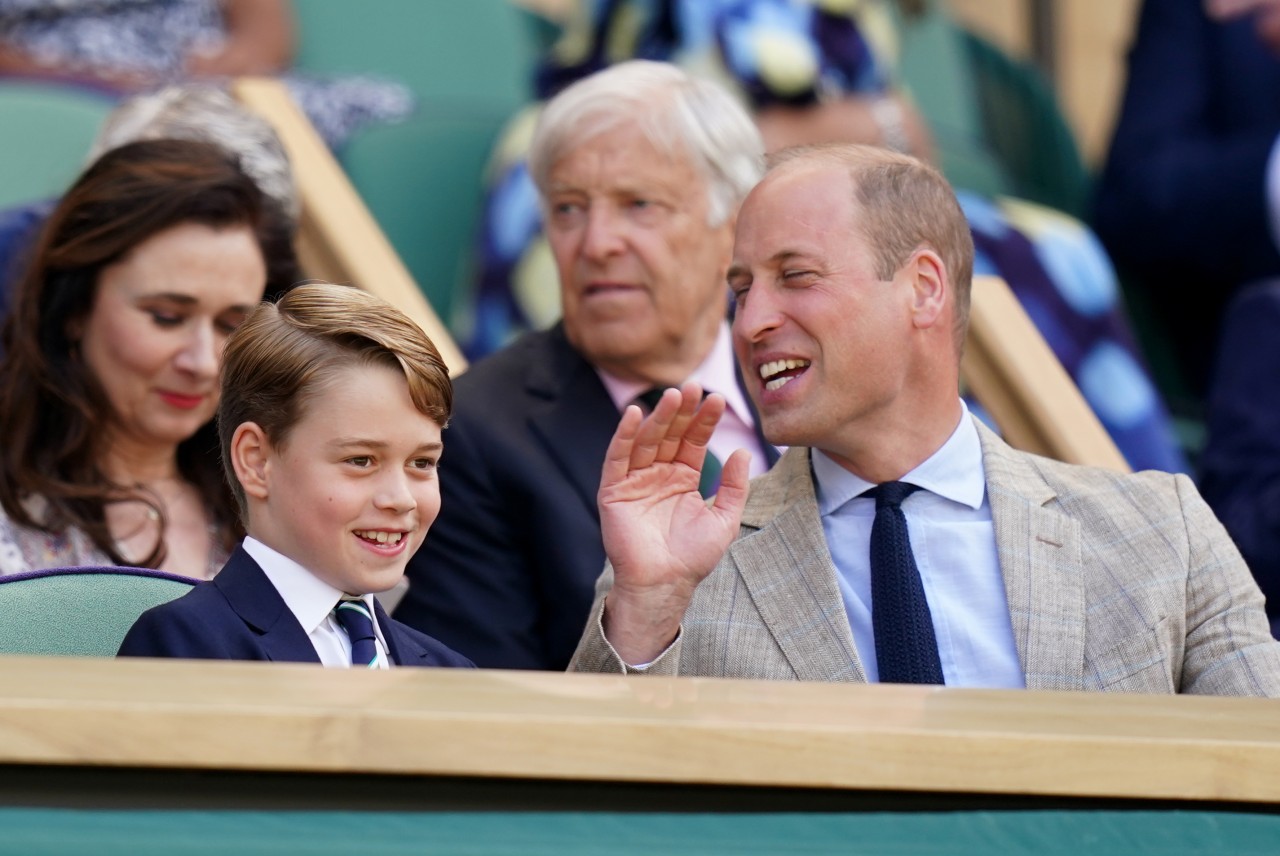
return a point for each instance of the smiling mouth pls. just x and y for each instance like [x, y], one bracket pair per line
[380, 536]
[778, 373]
[182, 400]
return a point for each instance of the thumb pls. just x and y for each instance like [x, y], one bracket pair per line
[735, 478]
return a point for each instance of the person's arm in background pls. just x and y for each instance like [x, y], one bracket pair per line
[1178, 179]
[1240, 467]
[259, 40]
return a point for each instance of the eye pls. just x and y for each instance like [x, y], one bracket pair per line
[361, 461]
[228, 324]
[165, 318]
[424, 464]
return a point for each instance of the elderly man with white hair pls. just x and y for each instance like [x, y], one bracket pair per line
[640, 169]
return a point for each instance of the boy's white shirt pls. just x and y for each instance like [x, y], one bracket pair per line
[312, 600]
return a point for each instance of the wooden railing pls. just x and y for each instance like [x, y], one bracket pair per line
[1012, 372]
[226, 716]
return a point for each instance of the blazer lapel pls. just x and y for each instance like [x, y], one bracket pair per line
[402, 650]
[578, 417]
[788, 570]
[1039, 552]
[260, 606]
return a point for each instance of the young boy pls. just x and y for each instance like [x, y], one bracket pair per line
[330, 419]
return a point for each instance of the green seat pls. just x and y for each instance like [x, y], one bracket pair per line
[1025, 128]
[82, 612]
[468, 63]
[45, 132]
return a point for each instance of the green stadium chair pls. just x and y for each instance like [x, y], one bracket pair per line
[46, 130]
[468, 63]
[82, 612]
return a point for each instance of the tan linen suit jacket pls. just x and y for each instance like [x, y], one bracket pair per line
[1114, 582]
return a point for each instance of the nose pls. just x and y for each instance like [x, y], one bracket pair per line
[603, 237]
[201, 353]
[393, 492]
[758, 315]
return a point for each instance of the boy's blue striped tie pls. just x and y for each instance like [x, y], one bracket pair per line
[354, 617]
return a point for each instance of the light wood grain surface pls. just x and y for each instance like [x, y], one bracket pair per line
[273, 717]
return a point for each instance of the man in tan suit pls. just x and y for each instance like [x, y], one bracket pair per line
[851, 272]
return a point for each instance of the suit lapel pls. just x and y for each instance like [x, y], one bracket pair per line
[788, 570]
[1039, 552]
[402, 650]
[578, 417]
[253, 598]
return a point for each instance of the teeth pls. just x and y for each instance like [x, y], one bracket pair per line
[773, 367]
[777, 383]
[381, 537]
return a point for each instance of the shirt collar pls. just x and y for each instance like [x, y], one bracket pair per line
[717, 373]
[308, 597]
[954, 472]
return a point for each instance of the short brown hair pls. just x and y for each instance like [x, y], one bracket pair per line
[903, 204]
[285, 353]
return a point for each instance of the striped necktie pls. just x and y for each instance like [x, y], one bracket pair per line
[353, 615]
[709, 481]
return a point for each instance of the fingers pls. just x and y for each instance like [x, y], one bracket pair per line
[656, 428]
[617, 458]
[693, 442]
[731, 497]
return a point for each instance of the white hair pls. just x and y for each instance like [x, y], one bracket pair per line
[207, 114]
[678, 113]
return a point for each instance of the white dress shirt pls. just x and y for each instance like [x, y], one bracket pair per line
[312, 600]
[953, 541]
[717, 373]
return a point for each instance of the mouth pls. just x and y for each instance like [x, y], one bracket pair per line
[383, 540]
[182, 401]
[599, 289]
[778, 373]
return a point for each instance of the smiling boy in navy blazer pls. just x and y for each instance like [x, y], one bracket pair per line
[330, 419]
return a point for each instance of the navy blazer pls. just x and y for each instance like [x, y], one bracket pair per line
[1182, 202]
[239, 615]
[507, 573]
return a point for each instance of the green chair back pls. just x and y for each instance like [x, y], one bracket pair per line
[45, 132]
[468, 63]
[82, 612]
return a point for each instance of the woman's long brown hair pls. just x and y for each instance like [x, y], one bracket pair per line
[52, 410]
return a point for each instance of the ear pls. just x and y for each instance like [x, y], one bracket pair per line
[930, 288]
[250, 458]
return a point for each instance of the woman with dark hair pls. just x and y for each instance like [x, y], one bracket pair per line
[108, 453]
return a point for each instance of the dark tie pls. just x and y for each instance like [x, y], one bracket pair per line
[709, 482]
[354, 617]
[906, 648]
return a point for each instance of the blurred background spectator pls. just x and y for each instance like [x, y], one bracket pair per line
[109, 382]
[125, 46]
[814, 72]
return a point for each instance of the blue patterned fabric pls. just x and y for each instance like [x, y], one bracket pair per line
[794, 52]
[152, 39]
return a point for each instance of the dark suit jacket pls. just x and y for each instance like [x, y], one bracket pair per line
[1182, 202]
[507, 571]
[238, 615]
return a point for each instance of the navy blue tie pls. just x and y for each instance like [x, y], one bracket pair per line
[906, 648]
[354, 617]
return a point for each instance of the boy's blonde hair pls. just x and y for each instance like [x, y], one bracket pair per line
[285, 353]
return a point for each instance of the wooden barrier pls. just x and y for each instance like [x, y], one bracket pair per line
[229, 716]
[338, 239]
[1012, 372]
